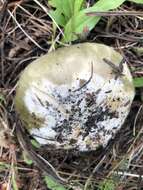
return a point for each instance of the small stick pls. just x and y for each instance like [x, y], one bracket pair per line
[87, 80]
[115, 13]
[116, 69]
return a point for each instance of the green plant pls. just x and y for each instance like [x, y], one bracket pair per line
[53, 184]
[138, 82]
[72, 15]
[107, 185]
[27, 160]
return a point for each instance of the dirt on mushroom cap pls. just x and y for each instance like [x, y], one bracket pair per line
[70, 105]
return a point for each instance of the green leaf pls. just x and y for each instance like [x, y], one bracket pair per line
[138, 82]
[57, 14]
[52, 184]
[27, 160]
[137, 1]
[58, 17]
[78, 5]
[78, 22]
[65, 7]
[68, 8]
[103, 5]
[35, 143]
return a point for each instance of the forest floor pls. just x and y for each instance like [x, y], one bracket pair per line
[120, 165]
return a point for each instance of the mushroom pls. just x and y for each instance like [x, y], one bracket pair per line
[75, 97]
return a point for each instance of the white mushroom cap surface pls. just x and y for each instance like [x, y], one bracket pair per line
[72, 99]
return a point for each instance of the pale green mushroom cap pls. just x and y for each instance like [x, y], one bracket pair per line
[71, 98]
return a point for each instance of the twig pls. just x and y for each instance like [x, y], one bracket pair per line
[135, 121]
[87, 80]
[117, 69]
[94, 170]
[126, 37]
[127, 174]
[115, 13]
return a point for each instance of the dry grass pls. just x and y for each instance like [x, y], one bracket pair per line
[26, 32]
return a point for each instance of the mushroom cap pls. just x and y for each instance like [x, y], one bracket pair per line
[72, 98]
